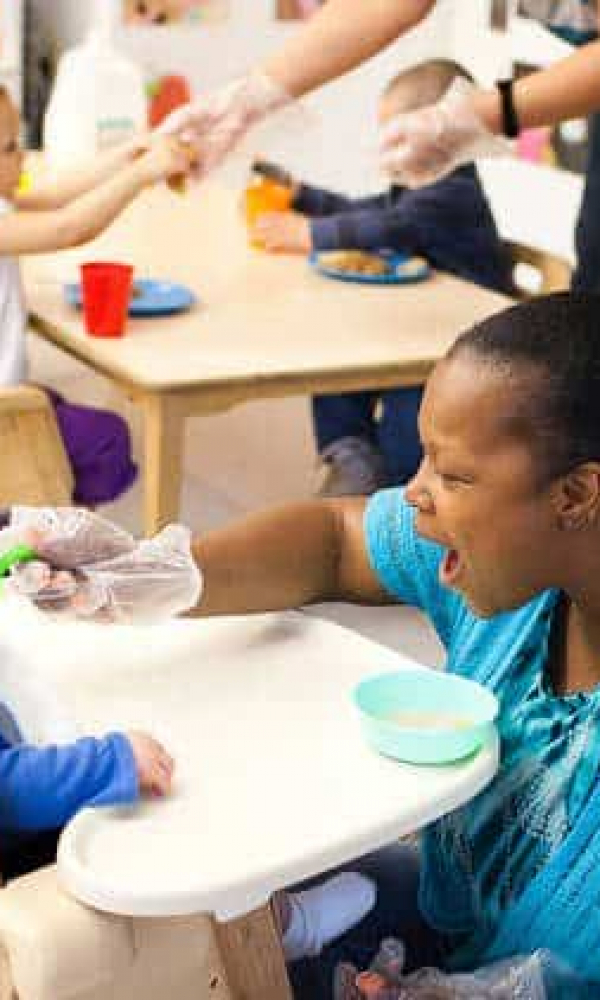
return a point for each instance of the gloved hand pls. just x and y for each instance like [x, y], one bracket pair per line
[89, 568]
[419, 147]
[385, 979]
[217, 121]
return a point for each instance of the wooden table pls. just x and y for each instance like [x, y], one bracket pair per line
[274, 782]
[264, 326]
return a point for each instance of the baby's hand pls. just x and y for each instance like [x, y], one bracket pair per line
[283, 232]
[154, 765]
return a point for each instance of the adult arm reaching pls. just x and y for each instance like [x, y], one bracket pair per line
[90, 569]
[418, 147]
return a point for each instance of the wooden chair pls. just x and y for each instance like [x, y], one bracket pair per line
[34, 468]
[554, 272]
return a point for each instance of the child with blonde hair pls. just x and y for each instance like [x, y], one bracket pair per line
[55, 215]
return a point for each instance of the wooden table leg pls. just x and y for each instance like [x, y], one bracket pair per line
[250, 949]
[164, 422]
[7, 991]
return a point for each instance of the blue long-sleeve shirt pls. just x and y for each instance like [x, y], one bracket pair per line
[450, 223]
[41, 788]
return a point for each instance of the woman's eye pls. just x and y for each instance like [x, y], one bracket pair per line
[451, 480]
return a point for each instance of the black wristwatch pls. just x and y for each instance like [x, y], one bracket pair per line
[510, 122]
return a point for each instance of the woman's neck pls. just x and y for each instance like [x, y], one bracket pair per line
[575, 652]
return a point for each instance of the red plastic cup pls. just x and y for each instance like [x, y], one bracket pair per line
[106, 290]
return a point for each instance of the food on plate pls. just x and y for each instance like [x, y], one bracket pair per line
[355, 262]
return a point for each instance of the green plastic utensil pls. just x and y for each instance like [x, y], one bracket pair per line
[14, 557]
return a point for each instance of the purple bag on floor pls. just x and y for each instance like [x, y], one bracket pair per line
[99, 449]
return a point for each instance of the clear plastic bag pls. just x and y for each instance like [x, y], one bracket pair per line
[540, 976]
[89, 568]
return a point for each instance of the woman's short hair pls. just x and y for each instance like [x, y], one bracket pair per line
[549, 349]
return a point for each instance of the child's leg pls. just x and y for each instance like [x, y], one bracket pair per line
[24, 854]
[346, 414]
[395, 872]
[99, 449]
[309, 920]
[398, 433]
[351, 463]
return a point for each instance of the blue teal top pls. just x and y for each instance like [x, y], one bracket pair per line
[478, 860]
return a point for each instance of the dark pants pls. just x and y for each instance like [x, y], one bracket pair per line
[587, 233]
[395, 870]
[23, 854]
[395, 433]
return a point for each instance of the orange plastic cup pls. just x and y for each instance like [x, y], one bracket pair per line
[106, 291]
[262, 197]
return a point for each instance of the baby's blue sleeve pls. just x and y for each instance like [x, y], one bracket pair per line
[41, 788]
[407, 565]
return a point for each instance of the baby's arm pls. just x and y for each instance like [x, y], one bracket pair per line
[88, 215]
[43, 788]
[58, 190]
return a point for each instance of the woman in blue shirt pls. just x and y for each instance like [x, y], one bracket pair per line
[497, 539]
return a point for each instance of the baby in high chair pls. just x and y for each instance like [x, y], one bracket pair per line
[41, 788]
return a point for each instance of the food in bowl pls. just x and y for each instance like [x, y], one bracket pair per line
[425, 716]
[427, 720]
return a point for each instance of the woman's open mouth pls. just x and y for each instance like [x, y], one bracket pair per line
[450, 568]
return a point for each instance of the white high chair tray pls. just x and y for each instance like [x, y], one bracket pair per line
[274, 782]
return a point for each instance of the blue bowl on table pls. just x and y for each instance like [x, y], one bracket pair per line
[425, 716]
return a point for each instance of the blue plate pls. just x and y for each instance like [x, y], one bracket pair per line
[151, 297]
[403, 269]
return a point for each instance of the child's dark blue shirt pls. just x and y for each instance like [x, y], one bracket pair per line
[450, 223]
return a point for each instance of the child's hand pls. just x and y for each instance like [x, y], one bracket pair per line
[283, 232]
[154, 765]
[167, 158]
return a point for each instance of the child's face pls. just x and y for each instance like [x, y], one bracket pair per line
[11, 154]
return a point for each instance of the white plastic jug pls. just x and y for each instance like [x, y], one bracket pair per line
[98, 99]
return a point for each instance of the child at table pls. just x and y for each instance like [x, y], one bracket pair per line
[450, 224]
[55, 216]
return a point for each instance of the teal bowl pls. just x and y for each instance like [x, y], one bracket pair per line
[425, 716]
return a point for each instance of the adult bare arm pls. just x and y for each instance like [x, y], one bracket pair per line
[421, 146]
[568, 89]
[288, 557]
[343, 34]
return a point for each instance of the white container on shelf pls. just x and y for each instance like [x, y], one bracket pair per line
[99, 96]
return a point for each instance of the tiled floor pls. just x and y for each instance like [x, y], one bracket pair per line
[251, 457]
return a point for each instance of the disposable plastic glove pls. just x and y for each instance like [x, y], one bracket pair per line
[419, 147]
[91, 569]
[216, 122]
[523, 977]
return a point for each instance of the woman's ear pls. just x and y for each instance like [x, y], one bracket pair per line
[577, 497]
